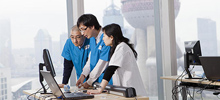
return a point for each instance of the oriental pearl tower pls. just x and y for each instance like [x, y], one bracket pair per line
[140, 15]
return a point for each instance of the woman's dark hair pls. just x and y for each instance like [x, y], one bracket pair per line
[88, 20]
[115, 31]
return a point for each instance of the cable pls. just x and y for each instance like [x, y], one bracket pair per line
[34, 93]
[193, 91]
[175, 88]
[201, 89]
[188, 92]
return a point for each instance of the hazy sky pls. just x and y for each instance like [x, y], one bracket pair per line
[190, 10]
[28, 16]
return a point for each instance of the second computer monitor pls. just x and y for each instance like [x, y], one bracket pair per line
[194, 51]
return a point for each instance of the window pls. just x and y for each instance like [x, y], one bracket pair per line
[2, 80]
[26, 28]
[136, 18]
[198, 20]
[5, 79]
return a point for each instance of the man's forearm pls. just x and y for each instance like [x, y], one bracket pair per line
[97, 71]
[86, 69]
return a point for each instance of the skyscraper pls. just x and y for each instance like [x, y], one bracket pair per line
[112, 14]
[42, 41]
[207, 36]
[5, 43]
[5, 78]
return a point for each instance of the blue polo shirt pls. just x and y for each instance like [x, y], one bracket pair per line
[77, 56]
[99, 51]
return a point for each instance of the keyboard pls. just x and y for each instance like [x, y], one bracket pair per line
[78, 95]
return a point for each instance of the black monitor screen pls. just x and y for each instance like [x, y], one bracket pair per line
[48, 62]
[194, 51]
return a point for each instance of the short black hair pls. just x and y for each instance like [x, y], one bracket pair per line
[88, 20]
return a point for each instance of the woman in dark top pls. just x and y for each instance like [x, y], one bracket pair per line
[122, 62]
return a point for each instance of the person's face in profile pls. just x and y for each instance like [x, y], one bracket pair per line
[77, 38]
[107, 40]
[86, 31]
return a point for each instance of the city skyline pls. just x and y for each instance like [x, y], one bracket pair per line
[39, 10]
[28, 17]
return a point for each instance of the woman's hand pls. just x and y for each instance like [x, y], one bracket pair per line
[100, 88]
[94, 91]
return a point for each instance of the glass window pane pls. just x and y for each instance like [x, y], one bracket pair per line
[26, 28]
[136, 18]
[198, 20]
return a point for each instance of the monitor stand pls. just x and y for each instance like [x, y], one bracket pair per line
[186, 66]
[41, 65]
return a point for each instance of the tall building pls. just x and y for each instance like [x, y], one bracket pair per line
[112, 14]
[5, 43]
[42, 41]
[207, 36]
[5, 86]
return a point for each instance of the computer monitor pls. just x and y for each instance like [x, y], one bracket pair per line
[49, 67]
[48, 62]
[191, 56]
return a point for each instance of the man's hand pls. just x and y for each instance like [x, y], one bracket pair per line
[86, 85]
[80, 81]
[61, 85]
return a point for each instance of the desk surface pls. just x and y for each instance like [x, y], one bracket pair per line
[190, 80]
[103, 96]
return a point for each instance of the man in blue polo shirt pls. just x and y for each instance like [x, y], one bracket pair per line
[75, 53]
[99, 56]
